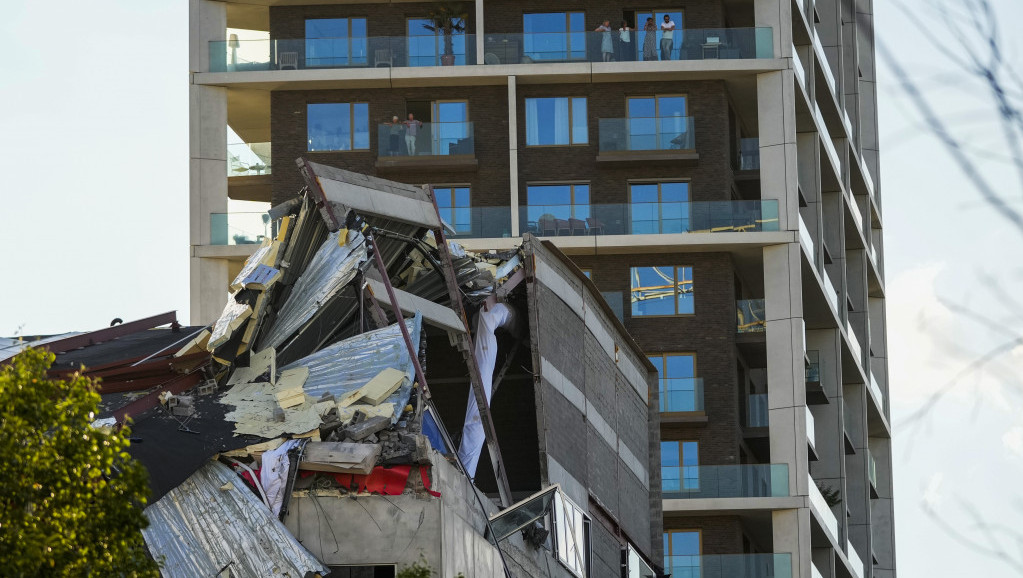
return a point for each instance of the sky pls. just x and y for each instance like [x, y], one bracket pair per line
[94, 195]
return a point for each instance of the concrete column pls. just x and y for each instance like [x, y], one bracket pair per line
[778, 167]
[513, 156]
[208, 289]
[480, 38]
[207, 20]
[778, 16]
[791, 529]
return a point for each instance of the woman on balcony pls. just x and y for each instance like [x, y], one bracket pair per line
[625, 47]
[650, 40]
[606, 45]
[394, 136]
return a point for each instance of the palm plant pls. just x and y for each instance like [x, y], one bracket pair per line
[447, 19]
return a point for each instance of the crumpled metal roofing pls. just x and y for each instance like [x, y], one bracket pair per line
[331, 269]
[348, 365]
[199, 529]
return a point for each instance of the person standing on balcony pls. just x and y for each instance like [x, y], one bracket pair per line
[394, 136]
[412, 127]
[649, 40]
[625, 48]
[606, 45]
[667, 37]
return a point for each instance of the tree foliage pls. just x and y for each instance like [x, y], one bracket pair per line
[70, 496]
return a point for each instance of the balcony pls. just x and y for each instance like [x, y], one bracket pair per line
[327, 53]
[681, 394]
[650, 218]
[832, 295]
[239, 228]
[749, 154]
[750, 316]
[854, 343]
[806, 238]
[691, 44]
[875, 391]
[664, 138]
[437, 146]
[811, 435]
[729, 481]
[756, 410]
[815, 393]
[729, 566]
[248, 159]
[478, 222]
[872, 474]
[854, 559]
[823, 511]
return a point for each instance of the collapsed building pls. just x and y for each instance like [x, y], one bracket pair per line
[374, 396]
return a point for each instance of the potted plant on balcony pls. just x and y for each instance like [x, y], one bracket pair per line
[447, 19]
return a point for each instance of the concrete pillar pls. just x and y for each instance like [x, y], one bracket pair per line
[513, 156]
[778, 167]
[778, 16]
[207, 21]
[480, 37]
[791, 533]
[208, 289]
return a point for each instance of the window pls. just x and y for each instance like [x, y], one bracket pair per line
[659, 207]
[679, 389]
[554, 36]
[558, 209]
[662, 291]
[659, 123]
[682, 550]
[572, 536]
[658, 45]
[335, 42]
[680, 466]
[338, 126]
[556, 121]
[453, 203]
[425, 46]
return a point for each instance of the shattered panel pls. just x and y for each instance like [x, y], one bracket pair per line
[212, 522]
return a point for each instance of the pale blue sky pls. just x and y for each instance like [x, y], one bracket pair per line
[94, 191]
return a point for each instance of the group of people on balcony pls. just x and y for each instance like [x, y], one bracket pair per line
[622, 46]
[397, 128]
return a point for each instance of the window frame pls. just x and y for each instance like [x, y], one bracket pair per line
[683, 488]
[692, 281]
[688, 216]
[585, 557]
[350, 38]
[351, 125]
[667, 543]
[453, 207]
[571, 116]
[660, 377]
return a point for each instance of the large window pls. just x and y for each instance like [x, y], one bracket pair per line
[680, 466]
[554, 36]
[338, 126]
[558, 209]
[659, 207]
[335, 42]
[659, 123]
[662, 291]
[425, 46]
[556, 121]
[572, 536]
[682, 550]
[678, 385]
[454, 206]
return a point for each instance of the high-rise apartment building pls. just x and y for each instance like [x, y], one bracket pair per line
[711, 164]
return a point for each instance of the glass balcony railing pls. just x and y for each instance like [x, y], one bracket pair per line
[820, 505]
[650, 218]
[813, 366]
[729, 566]
[875, 390]
[690, 44]
[854, 343]
[871, 469]
[854, 559]
[750, 316]
[431, 139]
[731, 481]
[663, 133]
[756, 410]
[811, 432]
[749, 154]
[247, 159]
[478, 222]
[239, 228]
[354, 52]
[832, 295]
[680, 394]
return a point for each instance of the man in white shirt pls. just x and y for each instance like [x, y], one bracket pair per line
[667, 37]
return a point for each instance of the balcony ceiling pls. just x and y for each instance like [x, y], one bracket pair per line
[248, 113]
[248, 16]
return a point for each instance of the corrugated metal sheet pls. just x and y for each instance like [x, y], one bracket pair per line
[348, 365]
[199, 529]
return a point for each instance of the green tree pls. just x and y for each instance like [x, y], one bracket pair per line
[71, 498]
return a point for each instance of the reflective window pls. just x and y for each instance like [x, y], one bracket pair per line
[662, 291]
[454, 206]
[682, 550]
[335, 42]
[659, 207]
[338, 126]
[558, 209]
[677, 381]
[658, 123]
[554, 36]
[571, 536]
[556, 121]
[449, 128]
[680, 466]
[426, 46]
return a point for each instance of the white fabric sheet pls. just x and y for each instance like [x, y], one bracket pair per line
[274, 474]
